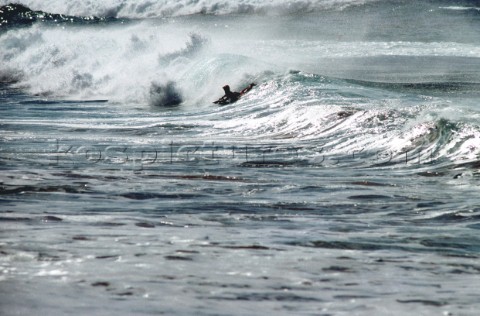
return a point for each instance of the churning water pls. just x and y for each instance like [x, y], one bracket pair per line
[345, 183]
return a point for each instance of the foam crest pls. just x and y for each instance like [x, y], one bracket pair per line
[302, 107]
[114, 63]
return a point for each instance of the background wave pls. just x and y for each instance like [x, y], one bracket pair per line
[169, 8]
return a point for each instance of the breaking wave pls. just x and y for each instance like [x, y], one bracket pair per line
[164, 95]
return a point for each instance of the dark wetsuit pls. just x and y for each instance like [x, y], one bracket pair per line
[231, 97]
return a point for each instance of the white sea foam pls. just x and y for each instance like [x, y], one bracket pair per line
[118, 64]
[125, 63]
[460, 8]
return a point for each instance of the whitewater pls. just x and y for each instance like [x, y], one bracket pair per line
[344, 183]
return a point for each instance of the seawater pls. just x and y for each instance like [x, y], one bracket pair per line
[345, 183]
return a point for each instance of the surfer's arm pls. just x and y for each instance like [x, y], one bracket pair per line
[222, 99]
[248, 88]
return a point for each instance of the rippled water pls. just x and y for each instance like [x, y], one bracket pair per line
[345, 183]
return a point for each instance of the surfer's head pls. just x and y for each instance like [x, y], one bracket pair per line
[226, 88]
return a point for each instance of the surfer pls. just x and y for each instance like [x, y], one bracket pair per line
[232, 96]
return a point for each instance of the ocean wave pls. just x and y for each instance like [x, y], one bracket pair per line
[125, 64]
[169, 8]
[119, 64]
[165, 95]
[343, 119]
[135, 62]
[15, 15]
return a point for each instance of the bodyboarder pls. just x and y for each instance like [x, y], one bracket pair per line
[232, 96]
